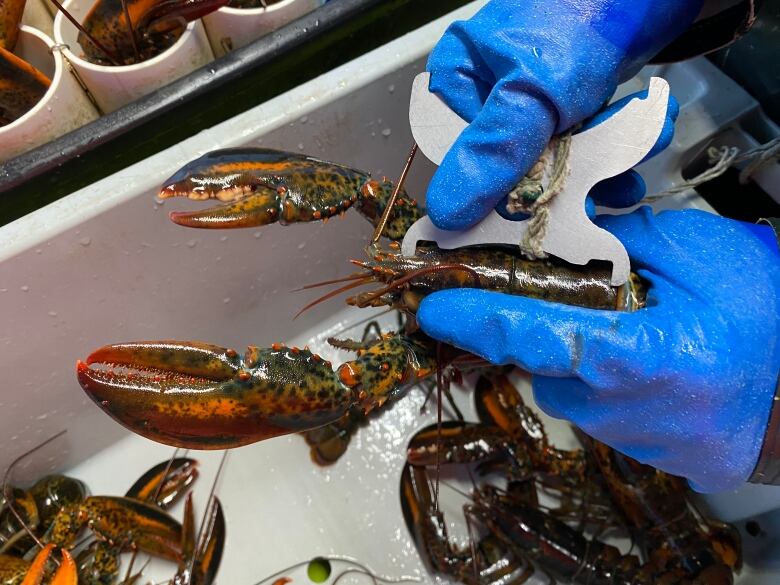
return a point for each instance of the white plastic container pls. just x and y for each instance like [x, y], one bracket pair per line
[62, 108]
[105, 264]
[232, 28]
[113, 87]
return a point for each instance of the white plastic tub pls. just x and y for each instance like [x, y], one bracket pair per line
[105, 265]
[113, 87]
[62, 108]
[232, 28]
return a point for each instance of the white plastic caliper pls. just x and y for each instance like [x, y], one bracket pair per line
[606, 150]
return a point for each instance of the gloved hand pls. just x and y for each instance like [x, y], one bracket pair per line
[684, 384]
[521, 70]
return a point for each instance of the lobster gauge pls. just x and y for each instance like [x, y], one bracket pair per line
[608, 149]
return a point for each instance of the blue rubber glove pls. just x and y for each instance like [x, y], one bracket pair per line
[521, 70]
[685, 384]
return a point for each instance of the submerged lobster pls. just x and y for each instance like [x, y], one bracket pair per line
[197, 395]
[678, 545]
[21, 84]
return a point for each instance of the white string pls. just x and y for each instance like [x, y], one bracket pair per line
[723, 158]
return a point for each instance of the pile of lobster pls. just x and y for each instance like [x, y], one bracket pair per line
[597, 491]
[201, 396]
[57, 510]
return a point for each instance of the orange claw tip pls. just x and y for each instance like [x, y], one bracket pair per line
[36, 571]
[67, 574]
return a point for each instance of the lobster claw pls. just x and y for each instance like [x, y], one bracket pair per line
[66, 573]
[260, 186]
[200, 396]
[253, 210]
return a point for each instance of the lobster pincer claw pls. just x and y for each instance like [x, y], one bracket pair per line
[199, 396]
[260, 186]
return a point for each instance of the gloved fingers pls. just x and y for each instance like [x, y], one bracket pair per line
[490, 156]
[624, 190]
[458, 74]
[543, 338]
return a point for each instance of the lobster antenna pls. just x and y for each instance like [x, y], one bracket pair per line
[8, 494]
[111, 57]
[439, 383]
[380, 227]
[208, 514]
[330, 295]
[396, 284]
[132, 35]
[353, 276]
[472, 546]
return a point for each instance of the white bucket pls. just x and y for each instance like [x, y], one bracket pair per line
[232, 28]
[62, 108]
[113, 87]
[37, 14]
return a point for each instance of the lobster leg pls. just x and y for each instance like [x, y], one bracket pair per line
[120, 522]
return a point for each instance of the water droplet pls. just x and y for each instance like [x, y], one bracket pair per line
[52, 313]
[41, 417]
[300, 146]
[38, 251]
[391, 88]
[304, 119]
[226, 300]
[25, 288]
[386, 132]
[223, 239]
[302, 245]
[85, 241]
[3, 290]
[192, 243]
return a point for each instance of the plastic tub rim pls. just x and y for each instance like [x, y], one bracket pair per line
[60, 21]
[56, 79]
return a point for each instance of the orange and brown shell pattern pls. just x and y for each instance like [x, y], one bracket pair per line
[260, 186]
[201, 396]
